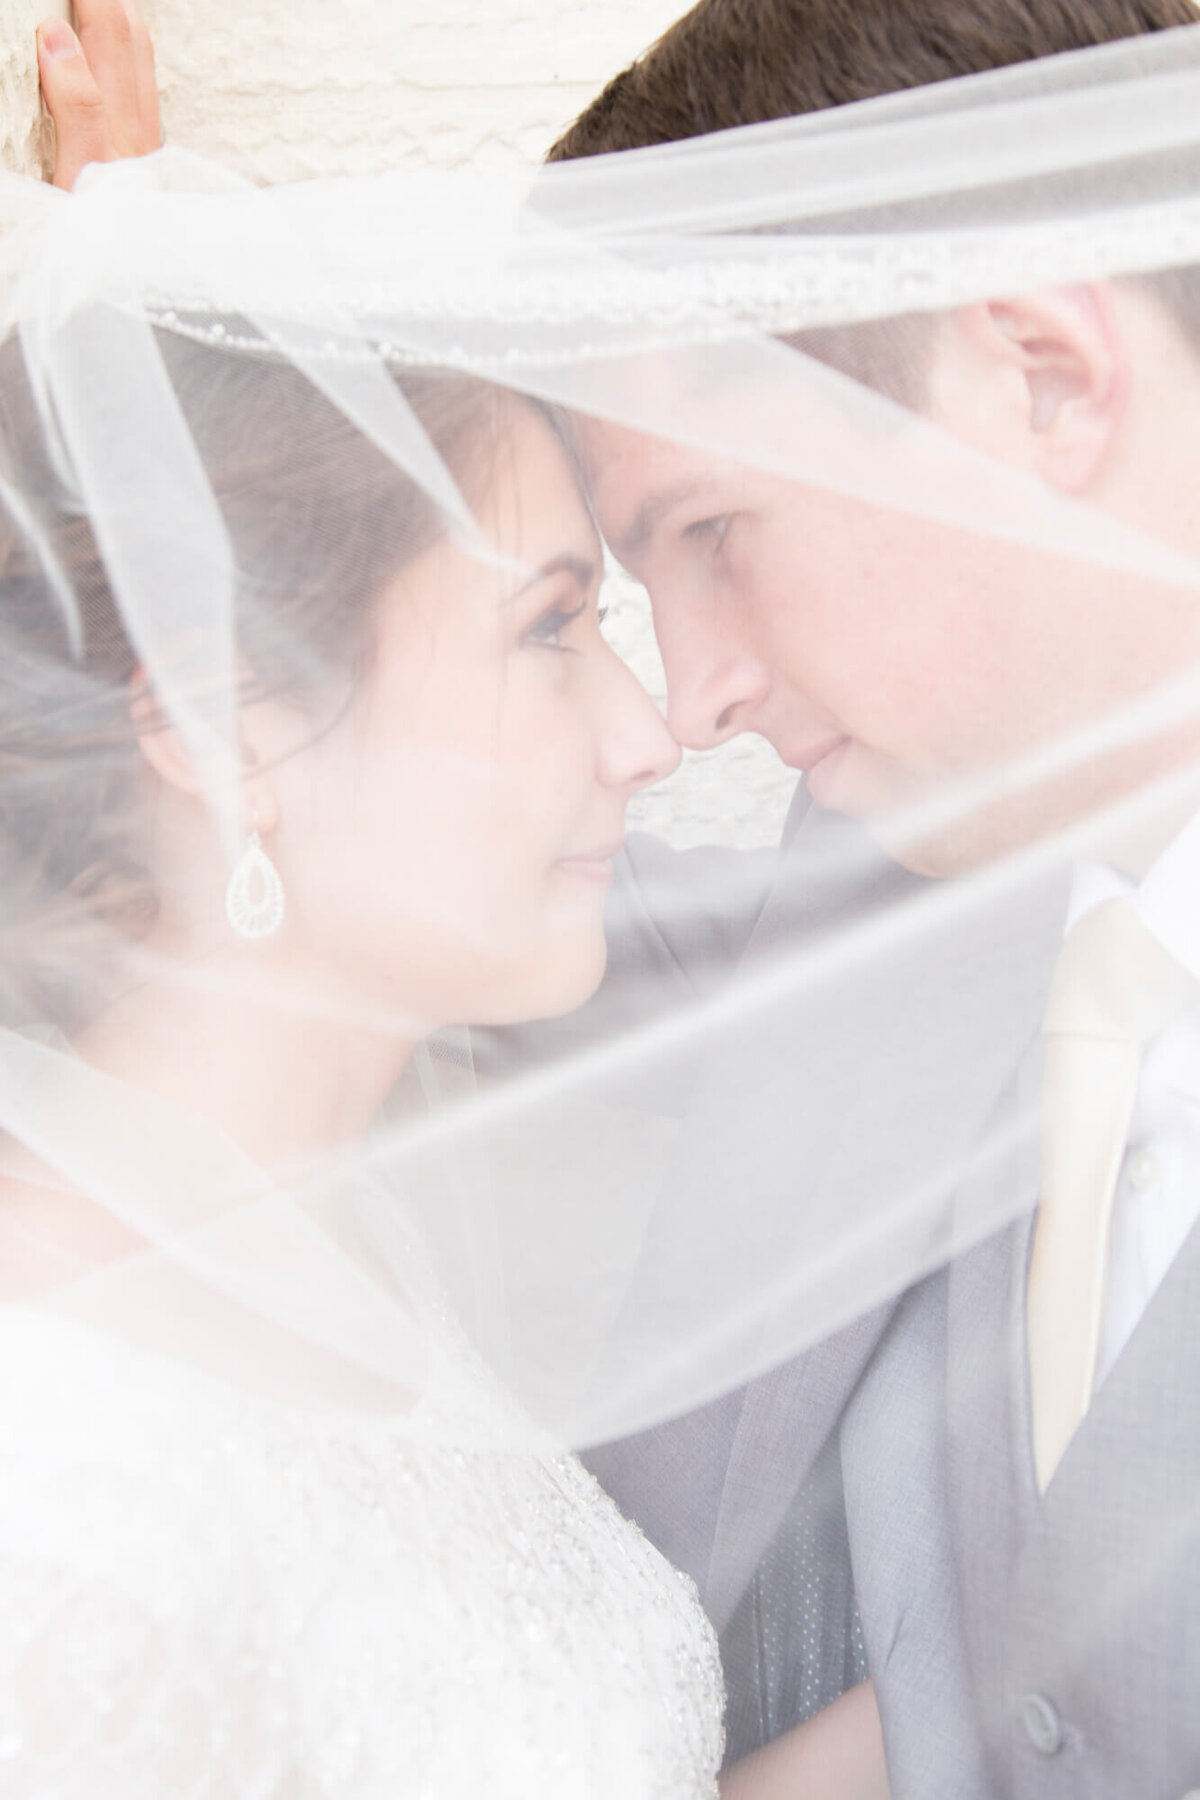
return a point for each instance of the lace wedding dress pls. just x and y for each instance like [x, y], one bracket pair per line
[207, 1593]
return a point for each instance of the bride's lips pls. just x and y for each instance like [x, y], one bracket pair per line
[820, 764]
[592, 865]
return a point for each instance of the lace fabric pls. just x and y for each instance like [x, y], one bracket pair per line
[203, 1593]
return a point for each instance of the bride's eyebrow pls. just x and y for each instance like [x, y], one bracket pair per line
[583, 571]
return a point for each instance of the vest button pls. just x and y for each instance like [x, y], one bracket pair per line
[1145, 1168]
[1043, 1727]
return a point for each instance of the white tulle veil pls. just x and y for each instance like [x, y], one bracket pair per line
[633, 1210]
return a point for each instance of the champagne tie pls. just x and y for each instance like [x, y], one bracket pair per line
[1114, 989]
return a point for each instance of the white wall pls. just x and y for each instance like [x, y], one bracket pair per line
[312, 86]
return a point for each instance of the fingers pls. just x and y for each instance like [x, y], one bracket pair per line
[117, 47]
[100, 87]
[73, 100]
[146, 80]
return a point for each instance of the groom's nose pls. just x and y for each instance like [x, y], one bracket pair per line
[715, 689]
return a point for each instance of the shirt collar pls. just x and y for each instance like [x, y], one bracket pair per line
[1167, 899]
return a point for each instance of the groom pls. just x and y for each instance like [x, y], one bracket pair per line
[983, 1539]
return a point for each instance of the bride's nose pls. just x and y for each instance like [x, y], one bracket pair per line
[635, 747]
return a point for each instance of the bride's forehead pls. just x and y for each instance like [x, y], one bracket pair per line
[532, 483]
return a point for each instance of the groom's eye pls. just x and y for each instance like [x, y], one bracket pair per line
[710, 532]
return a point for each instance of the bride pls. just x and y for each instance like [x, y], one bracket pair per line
[207, 1587]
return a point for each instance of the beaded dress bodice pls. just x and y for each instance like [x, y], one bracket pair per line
[205, 1593]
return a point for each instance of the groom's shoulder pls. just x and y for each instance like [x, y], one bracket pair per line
[689, 912]
[698, 911]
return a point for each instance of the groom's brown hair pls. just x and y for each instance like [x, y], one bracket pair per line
[734, 62]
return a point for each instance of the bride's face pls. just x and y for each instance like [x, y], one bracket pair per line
[447, 849]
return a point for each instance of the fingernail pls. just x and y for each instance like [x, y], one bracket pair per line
[57, 39]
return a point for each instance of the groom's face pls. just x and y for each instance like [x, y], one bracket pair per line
[895, 661]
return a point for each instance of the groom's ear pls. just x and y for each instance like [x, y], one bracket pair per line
[1042, 380]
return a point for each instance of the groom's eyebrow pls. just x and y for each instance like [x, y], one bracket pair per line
[650, 515]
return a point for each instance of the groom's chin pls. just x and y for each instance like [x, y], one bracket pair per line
[937, 855]
[964, 845]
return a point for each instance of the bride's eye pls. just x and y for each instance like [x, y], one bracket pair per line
[548, 628]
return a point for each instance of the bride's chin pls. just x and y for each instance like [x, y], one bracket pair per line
[568, 974]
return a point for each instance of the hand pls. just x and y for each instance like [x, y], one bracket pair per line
[836, 1755]
[99, 87]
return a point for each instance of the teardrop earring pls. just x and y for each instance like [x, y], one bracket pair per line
[254, 902]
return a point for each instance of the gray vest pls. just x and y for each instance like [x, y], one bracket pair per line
[1081, 1608]
[1028, 1646]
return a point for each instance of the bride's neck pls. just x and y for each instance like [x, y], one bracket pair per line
[284, 1069]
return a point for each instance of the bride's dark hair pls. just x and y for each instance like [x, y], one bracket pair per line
[319, 520]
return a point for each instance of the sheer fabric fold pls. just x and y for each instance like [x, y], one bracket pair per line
[780, 1111]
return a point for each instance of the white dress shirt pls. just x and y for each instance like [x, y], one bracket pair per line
[1157, 1200]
